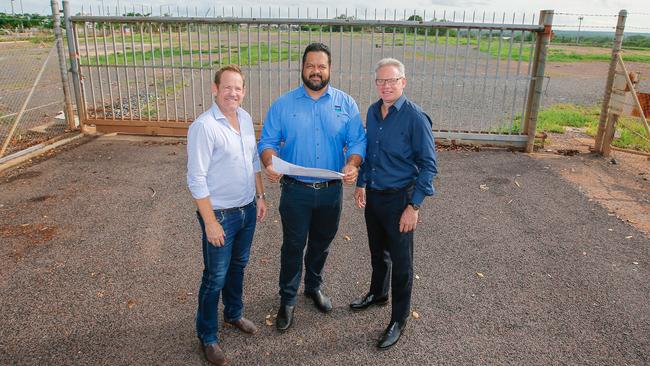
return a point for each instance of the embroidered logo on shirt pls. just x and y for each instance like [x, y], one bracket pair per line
[337, 108]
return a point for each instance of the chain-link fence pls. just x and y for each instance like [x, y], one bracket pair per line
[30, 82]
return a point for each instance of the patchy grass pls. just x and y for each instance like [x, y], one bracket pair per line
[555, 118]
[258, 53]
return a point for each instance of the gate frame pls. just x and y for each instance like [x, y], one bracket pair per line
[524, 140]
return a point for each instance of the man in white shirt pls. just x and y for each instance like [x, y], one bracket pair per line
[224, 177]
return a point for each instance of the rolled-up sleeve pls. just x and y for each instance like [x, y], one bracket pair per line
[356, 134]
[425, 158]
[199, 155]
[271, 131]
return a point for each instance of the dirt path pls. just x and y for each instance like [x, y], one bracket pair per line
[620, 183]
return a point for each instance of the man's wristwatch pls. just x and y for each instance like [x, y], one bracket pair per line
[260, 196]
[415, 206]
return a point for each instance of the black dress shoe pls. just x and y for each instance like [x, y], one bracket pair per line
[391, 334]
[284, 318]
[367, 301]
[322, 302]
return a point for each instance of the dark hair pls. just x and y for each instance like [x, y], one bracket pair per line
[233, 68]
[317, 47]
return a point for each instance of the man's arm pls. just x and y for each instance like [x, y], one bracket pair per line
[351, 169]
[267, 160]
[260, 196]
[425, 158]
[269, 144]
[355, 143]
[213, 230]
[199, 156]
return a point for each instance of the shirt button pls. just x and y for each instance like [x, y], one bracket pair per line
[374, 155]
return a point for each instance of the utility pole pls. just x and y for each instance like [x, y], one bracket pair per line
[12, 8]
[579, 25]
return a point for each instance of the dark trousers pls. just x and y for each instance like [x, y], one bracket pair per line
[390, 250]
[309, 217]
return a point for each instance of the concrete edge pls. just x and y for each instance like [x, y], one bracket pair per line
[20, 157]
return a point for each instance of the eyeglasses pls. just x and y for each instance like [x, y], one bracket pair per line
[390, 82]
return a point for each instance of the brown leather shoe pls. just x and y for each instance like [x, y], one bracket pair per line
[215, 355]
[244, 325]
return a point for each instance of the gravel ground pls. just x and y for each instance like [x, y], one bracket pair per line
[101, 263]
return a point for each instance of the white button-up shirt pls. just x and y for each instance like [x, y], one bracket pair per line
[221, 162]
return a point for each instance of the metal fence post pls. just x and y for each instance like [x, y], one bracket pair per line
[74, 65]
[616, 49]
[58, 39]
[537, 80]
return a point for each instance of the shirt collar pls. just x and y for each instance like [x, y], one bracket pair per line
[218, 115]
[400, 102]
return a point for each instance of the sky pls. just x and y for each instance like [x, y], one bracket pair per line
[592, 11]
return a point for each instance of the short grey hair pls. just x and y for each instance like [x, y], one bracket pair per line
[390, 62]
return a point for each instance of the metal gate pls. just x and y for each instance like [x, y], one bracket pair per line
[479, 81]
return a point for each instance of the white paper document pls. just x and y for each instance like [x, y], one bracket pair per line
[283, 167]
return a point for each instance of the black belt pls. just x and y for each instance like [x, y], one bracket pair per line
[233, 209]
[390, 190]
[315, 185]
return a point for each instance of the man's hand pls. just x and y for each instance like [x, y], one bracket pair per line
[261, 209]
[409, 220]
[351, 172]
[216, 235]
[271, 174]
[360, 197]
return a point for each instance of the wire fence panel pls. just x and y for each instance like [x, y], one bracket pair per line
[153, 74]
[42, 118]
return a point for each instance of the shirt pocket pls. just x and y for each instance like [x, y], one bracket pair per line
[299, 123]
[338, 126]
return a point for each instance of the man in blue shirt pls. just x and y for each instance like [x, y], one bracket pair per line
[225, 179]
[394, 179]
[315, 126]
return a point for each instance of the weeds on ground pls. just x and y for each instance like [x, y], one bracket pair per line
[631, 133]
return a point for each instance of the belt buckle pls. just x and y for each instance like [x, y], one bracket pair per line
[317, 185]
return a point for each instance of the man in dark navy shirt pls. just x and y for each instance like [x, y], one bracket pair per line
[392, 184]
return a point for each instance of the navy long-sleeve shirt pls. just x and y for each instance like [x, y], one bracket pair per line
[400, 151]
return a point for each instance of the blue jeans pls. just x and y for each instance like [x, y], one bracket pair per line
[309, 217]
[223, 271]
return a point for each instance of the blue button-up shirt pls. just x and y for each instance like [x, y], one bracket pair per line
[401, 151]
[320, 133]
[221, 162]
